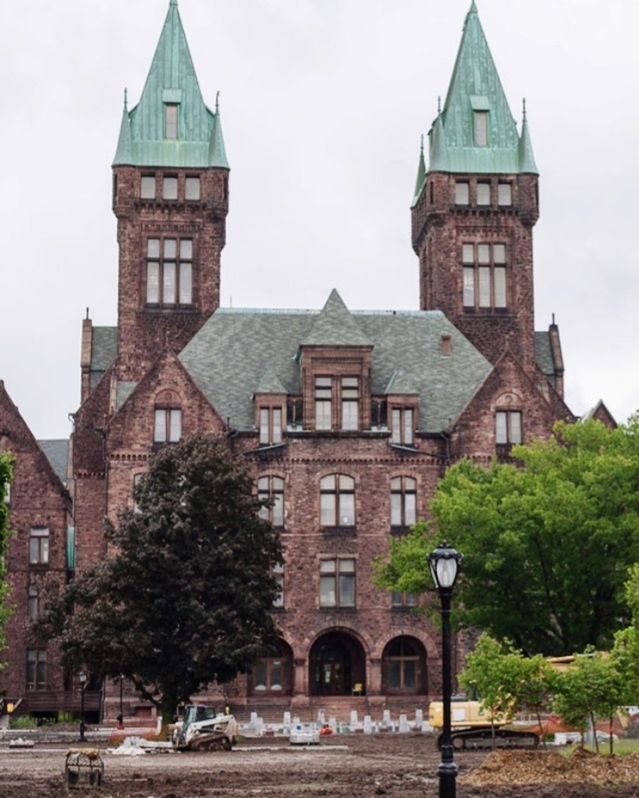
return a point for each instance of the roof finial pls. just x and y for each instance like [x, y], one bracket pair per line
[421, 146]
[217, 102]
[473, 8]
[523, 103]
[439, 104]
[173, 3]
[125, 99]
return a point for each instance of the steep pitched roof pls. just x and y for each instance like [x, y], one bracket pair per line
[226, 358]
[401, 384]
[335, 326]
[103, 351]
[57, 453]
[171, 81]
[475, 87]
[270, 383]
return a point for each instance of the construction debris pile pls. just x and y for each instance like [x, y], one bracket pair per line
[519, 768]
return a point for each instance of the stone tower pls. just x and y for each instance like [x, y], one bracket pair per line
[474, 209]
[170, 197]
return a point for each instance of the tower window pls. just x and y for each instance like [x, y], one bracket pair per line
[462, 193]
[481, 128]
[169, 271]
[147, 187]
[504, 194]
[484, 276]
[170, 121]
[170, 188]
[192, 188]
[483, 193]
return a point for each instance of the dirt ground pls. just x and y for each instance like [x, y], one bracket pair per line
[342, 766]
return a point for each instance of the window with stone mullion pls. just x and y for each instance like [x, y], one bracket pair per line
[169, 271]
[484, 276]
[337, 501]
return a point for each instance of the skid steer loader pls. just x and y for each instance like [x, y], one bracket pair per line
[204, 729]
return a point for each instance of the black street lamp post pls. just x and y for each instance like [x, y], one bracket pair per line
[444, 565]
[83, 683]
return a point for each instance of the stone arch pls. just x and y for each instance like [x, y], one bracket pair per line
[337, 664]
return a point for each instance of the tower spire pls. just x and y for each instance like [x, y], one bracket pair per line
[421, 173]
[527, 163]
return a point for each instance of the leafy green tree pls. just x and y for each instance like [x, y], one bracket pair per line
[6, 475]
[184, 597]
[546, 543]
[592, 687]
[536, 687]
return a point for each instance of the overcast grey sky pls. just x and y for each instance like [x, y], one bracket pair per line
[323, 103]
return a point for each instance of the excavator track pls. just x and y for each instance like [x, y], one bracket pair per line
[482, 738]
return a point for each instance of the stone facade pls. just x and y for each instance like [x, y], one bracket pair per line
[352, 419]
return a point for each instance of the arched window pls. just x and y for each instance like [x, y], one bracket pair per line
[403, 502]
[404, 666]
[337, 500]
[272, 489]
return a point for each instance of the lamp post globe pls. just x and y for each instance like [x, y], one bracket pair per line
[444, 564]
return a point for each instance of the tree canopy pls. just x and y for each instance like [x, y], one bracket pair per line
[6, 475]
[185, 595]
[547, 541]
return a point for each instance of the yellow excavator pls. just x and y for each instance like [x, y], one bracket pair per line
[471, 727]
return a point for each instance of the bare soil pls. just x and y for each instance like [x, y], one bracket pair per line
[341, 766]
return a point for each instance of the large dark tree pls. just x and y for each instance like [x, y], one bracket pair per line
[547, 543]
[6, 463]
[184, 597]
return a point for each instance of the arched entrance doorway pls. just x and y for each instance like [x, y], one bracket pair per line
[404, 666]
[337, 665]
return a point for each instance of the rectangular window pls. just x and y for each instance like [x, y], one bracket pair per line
[402, 425]
[147, 187]
[39, 546]
[192, 188]
[337, 583]
[170, 122]
[337, 501]
[323, 403]
[403, 501]
[169, 271]
[504, 194]
[462, 193]
[508, 427]
[33, 603]
[36, 669]
[484, 276]
[481, 128]
[350, 403]
[403, 599]
[270, 425]
[170, 188]
[483, 193]
[168, 425]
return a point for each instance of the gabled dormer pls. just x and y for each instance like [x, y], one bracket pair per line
[474, 207]
[336, 362]
[170, 196]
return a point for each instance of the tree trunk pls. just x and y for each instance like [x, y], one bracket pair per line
[594, 731]
[610, 733]
[541, 730]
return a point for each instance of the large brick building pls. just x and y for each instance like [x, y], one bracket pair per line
[347, 419]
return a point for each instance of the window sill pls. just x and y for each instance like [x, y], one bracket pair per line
[404, 447]
[152, 307]
[39, 566]
[298, 432]
[270, 448]
[400, 531]
[340, 530]
[334, 610]
[403, 610]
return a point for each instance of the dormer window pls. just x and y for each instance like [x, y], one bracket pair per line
[170, 121]
[481, 128]
[402, 425]
[270, 425]
[350, 403]
[323, 403]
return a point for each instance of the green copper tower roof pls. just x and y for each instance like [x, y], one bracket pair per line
[171, 82]
[476, 96]
[421, 173]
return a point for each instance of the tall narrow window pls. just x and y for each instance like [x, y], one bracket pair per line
[481, 128]
[462, 193]
[402, 425]
[147, 187]
[39, 546]
[272, 489]
[504, 194]
[323, 403]
[350, 403]
[483, 193]
[278, 575]
[170, 187]
[337, 500]
[33, 602]
[192, 188]
[169, 271]
[403, 502]
[170, 121]
[270, 425]
[168, 425]
[337, 583]
[508, 427]
[484, 276]
[36, 669]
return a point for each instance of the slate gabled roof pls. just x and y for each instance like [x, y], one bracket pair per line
[227, 358]
[270, 383]
[335, 325]
[57, 453]
[103, 352]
